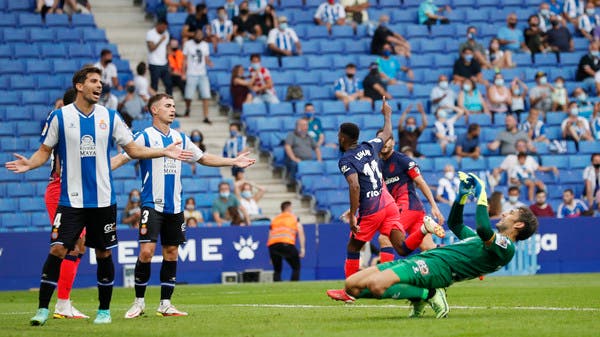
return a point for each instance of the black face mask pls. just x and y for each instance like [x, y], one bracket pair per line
[350, 75]
[512, 25]
[131, 89]
[244, 12]
[554, 23]
[108, 61]
[197, 40]
[174, 48]
[597, 166]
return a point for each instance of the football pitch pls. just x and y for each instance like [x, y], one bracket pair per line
[547, 305]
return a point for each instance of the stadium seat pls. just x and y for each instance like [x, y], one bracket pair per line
[578, 161]
[293, 62]
[57, 20]
[37, 35]
[318, 92]
[310, 47]
[81, 51]
[53, 50]
[360, 107]
[316, 32]
[8, 20]
[14, 144]
[283, 108]
[30, 20]
[94, 35]
[229, 48]
[471, 164]
[440, 163]
[26, 50]
[21, 220]
[15, 35]
[82, 20]
[430, 149]
[307, 77]
[35, 97]
[561, 162]
[303, 17]
[319, 62]
[331, 47]
[32, 205]
[589, 147]
[543, 59]
[9, 98]
[249, 48]
[331, 108]
[254, 109]
[8, 205]
[338, 32]
[20, 190]
[356, 47]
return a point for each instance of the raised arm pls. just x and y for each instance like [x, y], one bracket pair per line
[423, 117]
[22, 164]
[403, 117]
[242, 160]
[386, 110]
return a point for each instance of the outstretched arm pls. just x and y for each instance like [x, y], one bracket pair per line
[386, 110]
[240, 161]
[23, 164]
[482, 216]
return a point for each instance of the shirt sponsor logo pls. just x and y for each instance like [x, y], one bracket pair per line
[423, 268]
[87, 148]
[392, 180]
[170, 166]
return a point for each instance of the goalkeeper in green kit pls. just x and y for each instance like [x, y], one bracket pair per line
[422, 278]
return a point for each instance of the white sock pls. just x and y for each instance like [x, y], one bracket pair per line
[165, 302]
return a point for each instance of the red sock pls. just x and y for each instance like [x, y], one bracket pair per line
[352, 264]
[68, 269]
[386, 254]
[413, 241]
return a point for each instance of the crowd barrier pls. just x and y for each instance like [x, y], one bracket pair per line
[562, 246]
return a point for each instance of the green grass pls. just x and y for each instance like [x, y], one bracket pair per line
[496, 306]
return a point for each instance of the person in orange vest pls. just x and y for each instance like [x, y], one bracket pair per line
[282, 242]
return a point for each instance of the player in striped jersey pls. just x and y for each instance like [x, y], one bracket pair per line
[162, 203]
[82, 133]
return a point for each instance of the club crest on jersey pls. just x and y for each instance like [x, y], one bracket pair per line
[423, 268]
[143, 230]
[103, 125]
[501, 241]
[87, 148]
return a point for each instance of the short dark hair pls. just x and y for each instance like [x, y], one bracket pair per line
[157, 98]
[162, 21]
[105, 52]
[568, 190]
[141, 68]
[472, 127]
[471, 27]
[200, 7]
[540, 191]
[591, 157]
[69, 96]
[224, 183]
[220, 8]
[514, 188]
[308, 104]
[351, 65]
[527, 217]
[254, 56]
[467, 49]
[351, 130]
[236, 124]
[285, 205]
[81, 75]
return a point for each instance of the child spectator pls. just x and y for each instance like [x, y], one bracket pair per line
[132, 212]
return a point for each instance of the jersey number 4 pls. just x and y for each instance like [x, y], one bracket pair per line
[372, 170]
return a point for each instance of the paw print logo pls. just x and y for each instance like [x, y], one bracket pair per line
[246, 248]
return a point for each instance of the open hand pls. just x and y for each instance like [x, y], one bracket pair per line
[21, 165]
[176, 152]
[243, 161]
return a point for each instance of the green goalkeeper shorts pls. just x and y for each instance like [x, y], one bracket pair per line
[423, 272]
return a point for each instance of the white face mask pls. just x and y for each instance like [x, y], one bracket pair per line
[499, 82]
[444, 85]
[513, 199]
[449, 175]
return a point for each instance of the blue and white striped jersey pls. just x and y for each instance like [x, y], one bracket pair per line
[330, 13]
[285, 39]
[161, 177]
[83, 146]
[222, 29]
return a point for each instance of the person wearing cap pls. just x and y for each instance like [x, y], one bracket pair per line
[540, 96]
[348, 88]
[330, 13]
[281, 40]
[589, 64]
[373, 84]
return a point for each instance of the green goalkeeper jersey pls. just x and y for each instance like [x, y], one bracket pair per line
[470, 257]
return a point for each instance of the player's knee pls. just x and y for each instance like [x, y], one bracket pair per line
[170, 253]
[376, 288]
[58, 250]
[102, 253]
[146, 254]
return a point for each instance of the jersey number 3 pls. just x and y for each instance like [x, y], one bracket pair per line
[372, 170]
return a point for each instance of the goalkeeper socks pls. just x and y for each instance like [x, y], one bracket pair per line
[106, 277]
[168, 270]
[352, 263]
[68, 270]
[142, 275]
[365, 293]
[50, 274]
[405, 291]
[386, 254]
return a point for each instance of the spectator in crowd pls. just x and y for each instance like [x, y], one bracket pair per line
[442, 96]
[259, 7]
[523, 173]
[559, 37]
[444, 127]
[560, 97]
[176, 60]
[190, 211]
[235, 145]
[157, 40]
[535, 38]
[250, 195]
[507, 139]
[571, 207]
[77, 7]
[390, 67]
[107, 99]
[348, 88]
[479, 52]
[519, 91]
[223, 202]
[191, 223]
[495, 205]
[540, 96]
[499, 96]
[589, 64]
[595, 124]
[384, 35]
[467, 144]
[282, 242]
[356, 11]
[267, 20]
[572, 9]
[142, 87]
[330, 13]
[373, 84]
[315, 130]
[575, 127]
[245, 26]
[513, 201]
[197, 57]
[231, 8]
[591, 179]
[430, 14]
[198, 139]
[408, 131]
[132, 105]
[497, 58]
[471, 100]
[544, 17]
[262, 84]
[194, 22]
[510, 37]
[240, 87]
[541, 208]
[48, 7]
[221, 28]
[586, 107]
[174, 6]
[466, 67]
[109, 70]
[299, 146]
[283, 39]
[588, 21]
[556, 7]
[534, 127]
[132, 213]
[447, 186]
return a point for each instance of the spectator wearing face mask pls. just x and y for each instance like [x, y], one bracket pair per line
[132, 212]
[498, 58]
[234, 146]
[141, 84]
[262, 83]
[510, 37]
[479, 51]
[330, 13]
[499, 96]
[250, 194]
[390, 68]
[572, 9]
[191, 212]
[197, 138]
[560, 97]
[107, 99]
[246, 26]
[575, 127]
[315, 130]
[223, 202]
[540, 96]
[522, 172]
[588, 21]
[586, 108]
[589, 65]
[534, 127]
[535, 39]
[176, 60]
[544, 16]
[471, 100]
[466, 67]
[559, 37]
[373, 84]
[299, 146]
[591, 179]
[430, 14]
[519, 91]
[222, 28]
[348, 88]
[513, 201]
[541, 208]
[240, 87]
[595, 124]
[109, 70]
[282, 40]
[447, 186]
[384, 35]
[508, 139]
[408, 131]
[442, 96]
[467, 144]
[444, 127]
[131, 106]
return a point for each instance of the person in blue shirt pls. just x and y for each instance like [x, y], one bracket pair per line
[390, 68]
[512, 38]
[430, 14]
[348, 88]
[556, 7]
[315, 130]
[570, 207]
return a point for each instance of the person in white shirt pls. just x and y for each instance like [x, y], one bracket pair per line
[282, 39]
[142, 87]
[107, 99]
[356, 11]
[442, 96]
[513, 200]
[573, 9]
[444, 126]
[257, 6]
[591, 178]
[196, 52]
[222, 28]
[447, 186]
[574, 127]
[109, 70]
[157, 40]
[249, 199]
[330, 13]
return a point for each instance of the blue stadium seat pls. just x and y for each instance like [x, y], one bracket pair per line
[342, 32]
[332, 107]
[6, 52]
[443, 60]
[36, 204]
[282, 108]
[94, 35]
[423, 61]
[555, 118]
[37, 35]
[57, 20]
[293, 62]
[543, 59]
[9, 97]
[329, 122]
[571, 176]
[316, 92]
[360, 107]
[30, 20]
[16, 221]
[398, 90]
[26, 50]
[332, 47]
[15, 35]
[125, 172]
[20, 190]
[15, 144]
[81, 51]
[439, 163]
[406, 17]
[481, 119]
[589, 147]
[319, 62]
[302, 17]
[316, 32]
[433, 46]
[330, 153]
[307, 77]
[522, 59]
[340, 61]
[578, 161]
[8, 205]
[35, 97]
[562, 162]
[570, 59]
[122, 65]
[176, 18]
[457, 15]
[469, 4]
[471, 164]
[308, 167]
[82, 20]
[22, 82]
[8, 20]
[430, 149]
[249, 48]
[356, 47]
[229, 48]
[53, 50]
